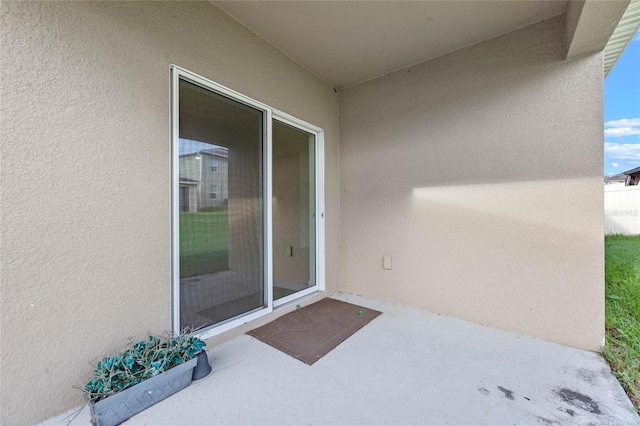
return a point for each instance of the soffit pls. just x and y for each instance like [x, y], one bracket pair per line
[348, 42]
[622, 36]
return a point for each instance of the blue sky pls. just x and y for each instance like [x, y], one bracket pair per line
[622, 112]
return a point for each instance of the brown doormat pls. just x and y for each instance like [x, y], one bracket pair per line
[310, 333]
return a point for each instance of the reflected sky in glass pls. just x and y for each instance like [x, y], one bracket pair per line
[188, 146]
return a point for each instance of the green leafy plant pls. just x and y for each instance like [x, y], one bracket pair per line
[140, 361]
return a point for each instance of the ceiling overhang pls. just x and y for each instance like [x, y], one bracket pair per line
[590, 24]
[348, 42]
[345, 43]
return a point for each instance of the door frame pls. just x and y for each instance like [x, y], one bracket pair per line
[269, 114]
[319, 204]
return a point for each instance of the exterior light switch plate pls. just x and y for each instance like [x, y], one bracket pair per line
[386, 262]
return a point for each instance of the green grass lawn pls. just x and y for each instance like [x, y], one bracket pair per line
[204, 243]
[622, 290]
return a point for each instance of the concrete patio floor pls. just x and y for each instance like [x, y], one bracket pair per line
[405, 367]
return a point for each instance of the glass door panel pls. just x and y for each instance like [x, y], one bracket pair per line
[221, 211]
[293, 210]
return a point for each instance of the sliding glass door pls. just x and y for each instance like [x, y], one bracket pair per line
[221, 223]
[246, 206]
[294, 207]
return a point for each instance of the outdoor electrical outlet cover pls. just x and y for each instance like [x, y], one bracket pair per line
[386, 262]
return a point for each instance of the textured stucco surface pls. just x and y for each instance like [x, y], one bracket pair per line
[480, 173]
[85, 176]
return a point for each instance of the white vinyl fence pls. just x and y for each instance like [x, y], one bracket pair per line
[622, 209]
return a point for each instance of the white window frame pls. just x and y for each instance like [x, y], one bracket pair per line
[211, 192]
[269, 114]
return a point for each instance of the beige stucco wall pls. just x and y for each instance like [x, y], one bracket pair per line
[480, 173]
[85, 176]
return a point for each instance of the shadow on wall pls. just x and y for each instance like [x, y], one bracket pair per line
[504, 110]
[493, 254]
[537, 203]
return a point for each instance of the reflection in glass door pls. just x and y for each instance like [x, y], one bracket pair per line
[294, 207]
[247, 220]
[221, 207]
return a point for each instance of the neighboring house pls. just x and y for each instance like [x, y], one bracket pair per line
[208, 189]
[628, 178]
[462, 139]
[618, 179]
[632, 177]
